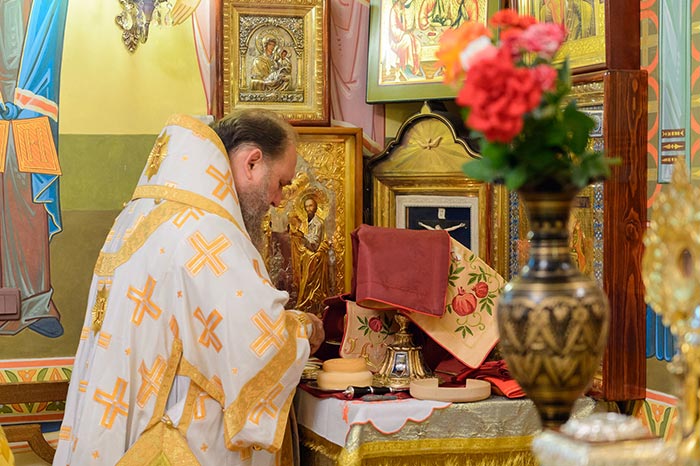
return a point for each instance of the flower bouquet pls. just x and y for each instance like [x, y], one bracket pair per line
[517, 99]
[552, 320]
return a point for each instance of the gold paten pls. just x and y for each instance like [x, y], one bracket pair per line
[99, 308]
[157, 155]
[403, 360]
[671, 274]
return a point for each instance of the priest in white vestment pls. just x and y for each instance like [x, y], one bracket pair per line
[187, 355]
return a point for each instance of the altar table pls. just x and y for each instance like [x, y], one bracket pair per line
[496, 431]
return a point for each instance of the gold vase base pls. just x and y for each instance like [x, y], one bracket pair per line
[553, 415]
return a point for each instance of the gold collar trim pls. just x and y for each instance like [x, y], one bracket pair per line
[185, 197]
[199, 129]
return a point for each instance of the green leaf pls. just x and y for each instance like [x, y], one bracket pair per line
[516, 178]
[479, 170]
[579, 125]
[556, 135]
[11, 376]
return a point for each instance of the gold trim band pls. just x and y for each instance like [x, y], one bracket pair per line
[200, 129]
[108, 262]
[238, 410]
[185, 197]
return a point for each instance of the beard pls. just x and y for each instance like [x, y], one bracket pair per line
[254, 207]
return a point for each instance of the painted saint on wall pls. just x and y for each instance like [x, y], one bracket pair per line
[31, 45]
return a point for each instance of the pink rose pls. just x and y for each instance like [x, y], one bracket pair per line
[546, 76]
[463, 304]
[375, 324]
[481, 289]
[543, 39]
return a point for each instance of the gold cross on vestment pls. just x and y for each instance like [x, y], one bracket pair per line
[158, 153]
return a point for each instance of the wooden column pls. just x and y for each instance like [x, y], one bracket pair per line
[625, 212]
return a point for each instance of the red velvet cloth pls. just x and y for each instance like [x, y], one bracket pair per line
[453, 372]
[400, 269]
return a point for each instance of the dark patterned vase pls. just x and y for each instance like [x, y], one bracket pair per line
[553, 320]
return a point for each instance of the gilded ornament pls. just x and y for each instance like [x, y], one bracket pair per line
[99, 308]
[157, 155]
[403, 361]
[671, 261]
[670, 271]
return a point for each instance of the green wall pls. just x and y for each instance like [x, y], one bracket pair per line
[99, 175]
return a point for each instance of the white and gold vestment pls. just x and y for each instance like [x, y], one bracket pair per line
[186, 355]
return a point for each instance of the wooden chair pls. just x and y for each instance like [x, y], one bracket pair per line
[32, 392]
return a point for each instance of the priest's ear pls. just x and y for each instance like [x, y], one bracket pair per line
[246, 164]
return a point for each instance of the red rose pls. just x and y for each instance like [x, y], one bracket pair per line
[498, 94]
[481, 290]
[375, 324]
[510, 19]
[543, 39]
[463, 304]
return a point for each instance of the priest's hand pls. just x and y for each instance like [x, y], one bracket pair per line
[318, 335]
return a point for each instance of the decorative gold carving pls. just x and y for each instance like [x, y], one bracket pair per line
[671, 261]
[554, 338]
[329, 170]
[295, 84]
[670, 270]
[426, 158]
[157, 155]
[588, 94]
